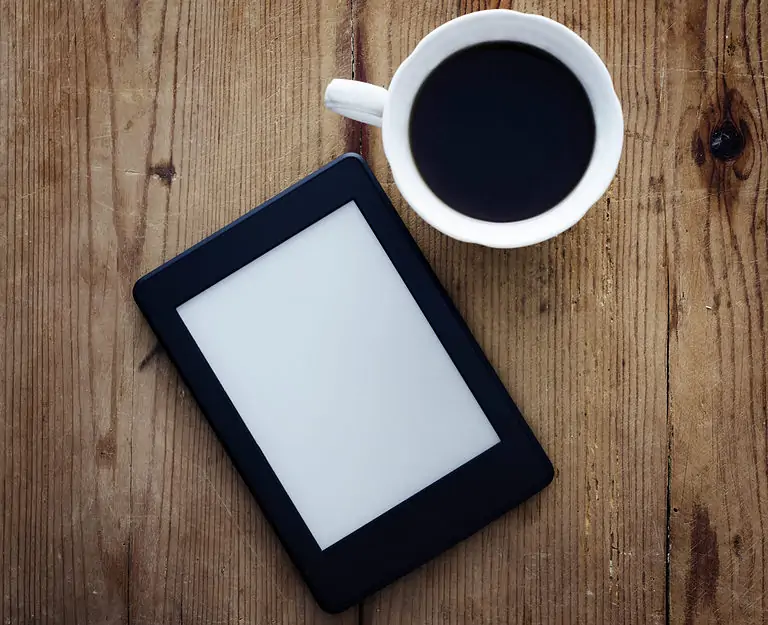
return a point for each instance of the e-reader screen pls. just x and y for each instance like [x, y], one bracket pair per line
[338, 375]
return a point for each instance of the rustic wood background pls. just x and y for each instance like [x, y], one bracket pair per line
[636, 344]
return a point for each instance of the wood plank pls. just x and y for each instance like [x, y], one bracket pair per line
[716, 82]
[130, 131]
[577, 328]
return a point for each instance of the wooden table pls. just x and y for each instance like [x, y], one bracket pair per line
[636, 344]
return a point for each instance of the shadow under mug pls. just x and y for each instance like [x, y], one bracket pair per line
[391, 110]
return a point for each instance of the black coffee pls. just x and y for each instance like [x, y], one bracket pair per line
[502, 131]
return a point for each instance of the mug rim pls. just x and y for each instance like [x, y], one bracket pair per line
[540, 32]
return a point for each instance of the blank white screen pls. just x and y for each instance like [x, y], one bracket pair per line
[338, 375]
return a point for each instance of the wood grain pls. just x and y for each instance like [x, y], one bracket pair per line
[577, 329]
[130, 131]
[635, 344]
[716, 66]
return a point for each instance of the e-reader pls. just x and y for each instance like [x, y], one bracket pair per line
[343, 383]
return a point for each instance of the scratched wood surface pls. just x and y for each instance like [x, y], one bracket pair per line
[129, 131]
[636, 344]
[716, 96]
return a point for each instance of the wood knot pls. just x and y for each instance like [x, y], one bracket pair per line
[166, 172]
[106, 450]
[726, 143]
[724, 131]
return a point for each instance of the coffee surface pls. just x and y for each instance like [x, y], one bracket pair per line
[502, 131]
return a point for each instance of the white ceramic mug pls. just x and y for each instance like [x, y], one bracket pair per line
[391, 109]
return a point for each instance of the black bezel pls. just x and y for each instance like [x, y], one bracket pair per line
[434, 519]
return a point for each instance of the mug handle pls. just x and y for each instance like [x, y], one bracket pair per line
[357, 100]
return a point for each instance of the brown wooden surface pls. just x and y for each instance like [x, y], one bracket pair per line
[636, 344]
